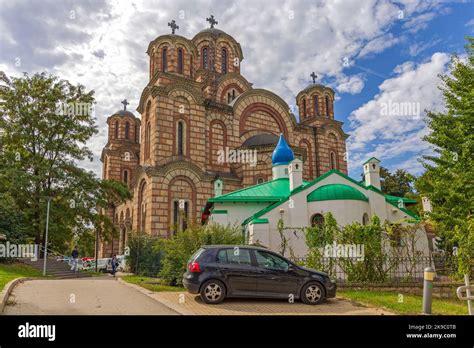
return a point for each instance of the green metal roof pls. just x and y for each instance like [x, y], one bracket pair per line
[270, 191]
[311, 183]
[259, 221]
[336, 192]
[370, 159]
[395, 199]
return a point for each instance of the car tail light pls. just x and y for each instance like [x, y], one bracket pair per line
[194, 267]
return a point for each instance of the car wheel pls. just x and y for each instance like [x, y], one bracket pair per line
[213, 292]
[312, 293]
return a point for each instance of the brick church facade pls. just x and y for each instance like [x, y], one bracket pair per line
[196, 105]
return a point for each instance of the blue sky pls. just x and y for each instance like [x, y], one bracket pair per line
[372, 53]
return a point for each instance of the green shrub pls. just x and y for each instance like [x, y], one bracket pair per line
[145, 254]
[183, 244]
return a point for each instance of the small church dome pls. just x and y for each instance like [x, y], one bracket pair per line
[336, 192]
[124, 113]
[282, 154]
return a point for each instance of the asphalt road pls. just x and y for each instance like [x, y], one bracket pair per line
[97, 295]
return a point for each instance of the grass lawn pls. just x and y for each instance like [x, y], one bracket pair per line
[10, 271]
[150, 283]
[411, 304]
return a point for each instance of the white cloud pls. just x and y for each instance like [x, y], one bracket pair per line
[390, 135]
[378, 45]
[104, 46]
[350, 84]
[417, 48]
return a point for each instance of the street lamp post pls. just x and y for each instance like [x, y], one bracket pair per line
[45, 255]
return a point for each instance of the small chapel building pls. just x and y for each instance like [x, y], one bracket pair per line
[299, 203]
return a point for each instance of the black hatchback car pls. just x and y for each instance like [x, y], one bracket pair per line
[219, 271]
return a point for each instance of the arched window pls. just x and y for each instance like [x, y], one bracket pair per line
[365, 219]
[180, 219]
[180, 60]
[327, 106]
[224, 61]
[147, 140]
[125, 177]
[152, 63]
[260, 180]
[141, 206]
[127, 129]
[229, 97]
[205, 63]
[180, 137]
[304, 108]
[317, 220]
[116, 130]
[316, 105]
[233, 94]
[136, 133]
[333, 160]
[164, 59]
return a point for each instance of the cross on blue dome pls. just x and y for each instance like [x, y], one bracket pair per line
[282, 154]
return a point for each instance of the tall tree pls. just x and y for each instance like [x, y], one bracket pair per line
[449, 178]
[46, 123]
[398, 184]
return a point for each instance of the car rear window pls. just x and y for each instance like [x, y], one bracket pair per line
[197, 254]
[235, 256]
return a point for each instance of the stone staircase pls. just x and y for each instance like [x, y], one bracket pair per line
[60, 270]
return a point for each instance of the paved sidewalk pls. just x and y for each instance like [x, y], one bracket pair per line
[186, 303]
[98, 295]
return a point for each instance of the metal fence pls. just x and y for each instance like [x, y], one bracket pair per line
[374, 270]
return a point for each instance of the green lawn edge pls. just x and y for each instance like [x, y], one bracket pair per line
[411, 304]
[10, 271]
[151, 283]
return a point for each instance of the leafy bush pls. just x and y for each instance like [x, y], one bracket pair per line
[387, 250]
[183, 244]
[145, 254]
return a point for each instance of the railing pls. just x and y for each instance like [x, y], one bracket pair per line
[375, 270]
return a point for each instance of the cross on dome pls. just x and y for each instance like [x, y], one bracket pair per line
[125, 103]
[212, 21]
[313, 76]
[173, 26]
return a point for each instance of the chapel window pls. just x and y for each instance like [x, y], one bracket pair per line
[125, 177]
[333, 160]
[205, 62]
[365, 219]
[327, 106]
[317, 220]
[224, 61]
[147, 140]
[164, 59]
[316, 105]
[127, 129]
[180, 137]
[180, 60]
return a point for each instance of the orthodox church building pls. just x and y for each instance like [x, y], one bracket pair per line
[196, 107]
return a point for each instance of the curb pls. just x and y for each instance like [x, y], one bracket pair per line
[156, 297]
[5, 294]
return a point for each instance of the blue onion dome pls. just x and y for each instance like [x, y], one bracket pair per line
[282, 154]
